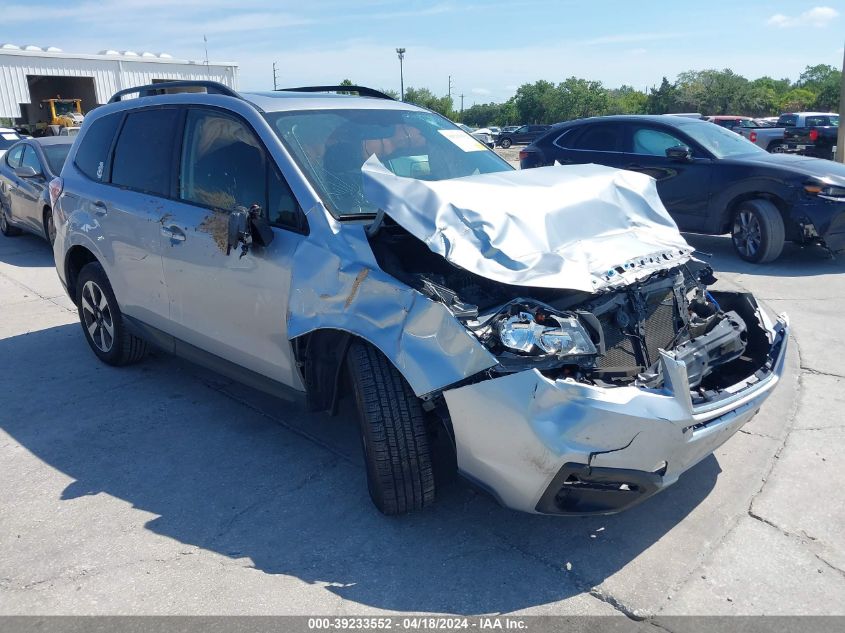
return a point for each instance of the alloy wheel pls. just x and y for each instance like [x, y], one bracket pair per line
[747, 234]
[97, 314]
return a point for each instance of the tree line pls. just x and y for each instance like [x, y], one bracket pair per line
[709, 92]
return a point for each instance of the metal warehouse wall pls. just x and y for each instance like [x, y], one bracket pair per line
[110, 73]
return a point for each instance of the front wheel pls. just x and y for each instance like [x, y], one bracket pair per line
[102, 321]
[505, 143]
[396, 446]
[758, 233]
[49, 227]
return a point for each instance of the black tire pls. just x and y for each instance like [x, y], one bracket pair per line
[776, 147]
[97, 308]
[5, 228]
[49, 227]
[505, 143]
[396, 446]
[758, 233]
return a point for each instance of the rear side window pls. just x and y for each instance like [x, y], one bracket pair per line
[93, 153]
[599, 138]
[787, 120]
[143, 156]
[13, 157]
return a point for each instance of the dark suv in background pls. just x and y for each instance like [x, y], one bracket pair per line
[711, 180]
[522, 135]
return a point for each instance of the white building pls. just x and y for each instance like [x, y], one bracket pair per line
[29, 74]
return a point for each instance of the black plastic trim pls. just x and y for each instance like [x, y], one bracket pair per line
[361, 90]
[211, 87]
[580, 489]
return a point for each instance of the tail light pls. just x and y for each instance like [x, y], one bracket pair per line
[814, 135]
[753, 137]
[523, 154]
[56, 186]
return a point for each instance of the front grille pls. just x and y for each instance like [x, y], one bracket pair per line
[659, 323]
[623, 349]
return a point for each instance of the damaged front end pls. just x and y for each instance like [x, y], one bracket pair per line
[599, 397]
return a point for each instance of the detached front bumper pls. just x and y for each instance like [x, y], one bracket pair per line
[824, 219]
[561, 447]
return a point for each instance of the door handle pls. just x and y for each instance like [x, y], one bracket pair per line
[100, 208]
[173, 232]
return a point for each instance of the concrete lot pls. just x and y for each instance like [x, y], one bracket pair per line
[163, 489]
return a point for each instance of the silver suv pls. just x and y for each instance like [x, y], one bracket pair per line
[548, 332]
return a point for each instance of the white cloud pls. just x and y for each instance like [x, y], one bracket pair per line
[818, 17]
[483, 92]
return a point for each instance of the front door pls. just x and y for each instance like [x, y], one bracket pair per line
[230, 305]
[27, 192]
[683, 185]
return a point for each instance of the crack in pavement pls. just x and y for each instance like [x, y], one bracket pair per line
[818, 372]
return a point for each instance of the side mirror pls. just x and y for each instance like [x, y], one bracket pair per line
[679, 152]
[25, 171]
[239, 234]
[248, 227]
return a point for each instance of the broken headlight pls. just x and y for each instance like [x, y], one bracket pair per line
[545, 334]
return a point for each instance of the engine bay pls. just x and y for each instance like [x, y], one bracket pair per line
[612, 338]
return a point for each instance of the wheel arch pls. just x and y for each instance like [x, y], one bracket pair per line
[75, 259]
[735, 202]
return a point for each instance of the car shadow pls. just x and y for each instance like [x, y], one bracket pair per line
[245, 475]
[795, 261]
[26, 250]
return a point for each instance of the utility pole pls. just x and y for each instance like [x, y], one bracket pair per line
[462, 106]
[275, 86]
[450, 89]
[840, 140]
[401, 53]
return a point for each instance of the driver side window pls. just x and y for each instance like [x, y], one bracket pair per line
[225, 166]
[653, 142]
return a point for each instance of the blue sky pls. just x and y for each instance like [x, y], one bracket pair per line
[489, 47]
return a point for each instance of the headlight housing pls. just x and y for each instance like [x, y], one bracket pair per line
[826, 191]
[556, 335]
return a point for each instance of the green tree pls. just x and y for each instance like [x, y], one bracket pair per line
[627, 100]
[663, 100]
[427, 99]
[797, 99]
[531, 101]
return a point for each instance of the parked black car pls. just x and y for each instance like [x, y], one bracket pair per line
[25, 174]
[522, 135]
[711, 180]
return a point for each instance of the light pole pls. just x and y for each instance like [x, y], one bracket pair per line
[840, 141]
[401, 53]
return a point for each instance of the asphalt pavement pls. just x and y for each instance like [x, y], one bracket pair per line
[164, 489]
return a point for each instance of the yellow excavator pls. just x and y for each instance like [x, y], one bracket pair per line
[64, 116]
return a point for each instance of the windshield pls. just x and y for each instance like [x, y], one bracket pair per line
[65, 107]
[331, 146]
[56, 155]
[718, 141]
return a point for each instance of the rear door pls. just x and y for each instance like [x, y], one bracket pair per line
[230, 305]
[599, 142]
[684, 186]
[128, 201]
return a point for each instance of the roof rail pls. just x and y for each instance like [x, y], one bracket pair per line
[211, 87]
[361, 90]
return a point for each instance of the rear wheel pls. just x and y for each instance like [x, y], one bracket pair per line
[49, 227]
[776, 147]
[758, 233]
[5, 228]
[102, 320]
[396, 446]
[505, 143]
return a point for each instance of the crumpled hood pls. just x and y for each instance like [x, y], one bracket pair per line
[580, 227]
